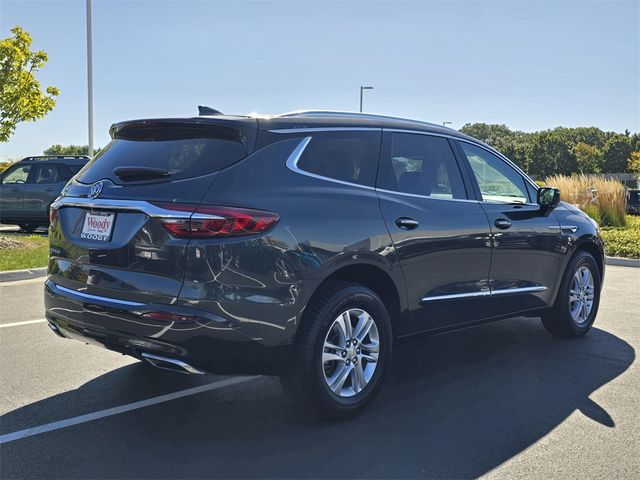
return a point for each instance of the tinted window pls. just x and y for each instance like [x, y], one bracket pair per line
[421, 165]
[497, 180]
[183, 153]
[346, 156]
[45, 174]
[68, 171]
[17, 175]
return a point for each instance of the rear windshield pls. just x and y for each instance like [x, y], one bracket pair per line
[182, 153]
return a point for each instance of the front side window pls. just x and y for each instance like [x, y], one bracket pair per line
[421, 165]
[498, 181]
[17, 175]
[349, 156]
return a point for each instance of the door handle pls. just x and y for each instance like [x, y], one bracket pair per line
[15, 189]
[48, 190]
[502, 223]
[406, 223]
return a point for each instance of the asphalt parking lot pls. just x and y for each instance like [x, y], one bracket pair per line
[504, 400]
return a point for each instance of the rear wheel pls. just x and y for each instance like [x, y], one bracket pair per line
[578, 298]
[28, 227]
[342, 351]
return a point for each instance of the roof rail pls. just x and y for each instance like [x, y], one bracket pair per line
[343, 114]
[56, 157]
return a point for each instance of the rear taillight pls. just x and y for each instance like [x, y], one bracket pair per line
[209, 221]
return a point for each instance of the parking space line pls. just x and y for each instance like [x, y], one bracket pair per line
[109, 412]
[26, 322]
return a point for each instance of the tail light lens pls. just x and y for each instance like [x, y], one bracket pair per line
[209, 221]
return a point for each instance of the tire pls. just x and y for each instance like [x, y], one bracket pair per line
[571, 317]
[28, 228]
[308, 379]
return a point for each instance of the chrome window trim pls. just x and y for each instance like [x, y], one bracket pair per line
[294, 157]
[485, 293]
[129, 205]
[96, 297]
[417, 195]
[325, 129]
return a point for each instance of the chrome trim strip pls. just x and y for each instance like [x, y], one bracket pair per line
[426, 196]
[292, 164]
[571, 228]
[129, 205]
[97, 297]
[507, 291]
[483, 293]
[324, 129]
[152, 359]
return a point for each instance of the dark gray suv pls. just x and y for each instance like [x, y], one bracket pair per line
[305, 245]
[28, 187]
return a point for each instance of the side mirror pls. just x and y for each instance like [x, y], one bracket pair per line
[548, 197]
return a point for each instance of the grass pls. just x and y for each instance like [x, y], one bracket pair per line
[19, 251]
[623, 242]
[602, 199]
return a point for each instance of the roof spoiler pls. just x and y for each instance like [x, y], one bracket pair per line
[204, 110]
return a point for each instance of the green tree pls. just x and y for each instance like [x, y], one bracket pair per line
[69, 150]
[615, 154]
[634, 162]
[549, 153]
[21, 96]
[588, 157]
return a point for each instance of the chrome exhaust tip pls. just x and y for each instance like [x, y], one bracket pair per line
[172, 364]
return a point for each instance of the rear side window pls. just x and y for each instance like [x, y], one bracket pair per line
[45, 174]
[68, 171]
[349, 156]
[421, 165]
[182, 153]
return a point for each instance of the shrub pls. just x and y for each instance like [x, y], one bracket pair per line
[602, 199]
[623, 242]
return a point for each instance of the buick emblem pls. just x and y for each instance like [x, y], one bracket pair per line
[95, 189]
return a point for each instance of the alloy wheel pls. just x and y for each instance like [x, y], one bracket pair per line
[350, 352]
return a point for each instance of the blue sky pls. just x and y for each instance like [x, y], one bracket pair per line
[529, 64]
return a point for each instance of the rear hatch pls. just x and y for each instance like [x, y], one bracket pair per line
[110, 232]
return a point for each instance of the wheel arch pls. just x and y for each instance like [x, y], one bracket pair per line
[378, 280]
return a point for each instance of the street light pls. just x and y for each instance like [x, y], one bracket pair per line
[90, 78]
[444, 124]
[362, 89]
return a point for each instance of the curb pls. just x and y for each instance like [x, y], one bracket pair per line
[622, 262]
[15, 275]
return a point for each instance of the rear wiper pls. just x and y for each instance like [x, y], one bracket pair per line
[140, 173]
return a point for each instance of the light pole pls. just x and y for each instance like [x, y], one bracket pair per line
[90, 77]
[362, 89]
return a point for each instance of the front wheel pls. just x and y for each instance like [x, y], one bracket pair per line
[578, 298]
[342, 351]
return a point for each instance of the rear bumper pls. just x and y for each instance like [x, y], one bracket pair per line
[209, 342]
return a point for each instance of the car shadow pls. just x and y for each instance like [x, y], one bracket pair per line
[454, 406]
